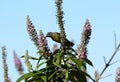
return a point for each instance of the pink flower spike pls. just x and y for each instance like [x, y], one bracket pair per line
[118, 71]
[87, 27]
[82, 53]
[32, 32]
[43, 45]
[118, 74]
[18, 63]
[16, 60]
[42, 40]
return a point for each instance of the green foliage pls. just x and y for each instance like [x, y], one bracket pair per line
[59, 68]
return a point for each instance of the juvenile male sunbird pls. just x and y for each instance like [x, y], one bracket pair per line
[56, 37]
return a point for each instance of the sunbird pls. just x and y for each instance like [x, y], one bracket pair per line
[55, 36]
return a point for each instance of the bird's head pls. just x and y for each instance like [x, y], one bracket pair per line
[49, 34]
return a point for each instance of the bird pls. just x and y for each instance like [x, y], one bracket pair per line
[55, 36]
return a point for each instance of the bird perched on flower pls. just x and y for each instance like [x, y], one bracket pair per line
[56, 37]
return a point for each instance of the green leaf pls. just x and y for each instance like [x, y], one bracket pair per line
[57, 60]
[78, 62]
[40, 64]
[77, 76]
[28, 75]
[89, 76]
[33, 58]
[35, 80]
[39, 59]
[66, 75]
[43, 78]
[31, 74]
[30, 57]
[52, 74]
[45, 69]
[59, 75]
[89, 62]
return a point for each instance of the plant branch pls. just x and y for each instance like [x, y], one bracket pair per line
[115, 62]
[104, 59]
[105, 76]
[107, 64]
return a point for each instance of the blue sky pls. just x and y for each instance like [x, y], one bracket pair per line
[104, 16]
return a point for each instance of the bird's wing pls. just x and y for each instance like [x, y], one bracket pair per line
[56, 36]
